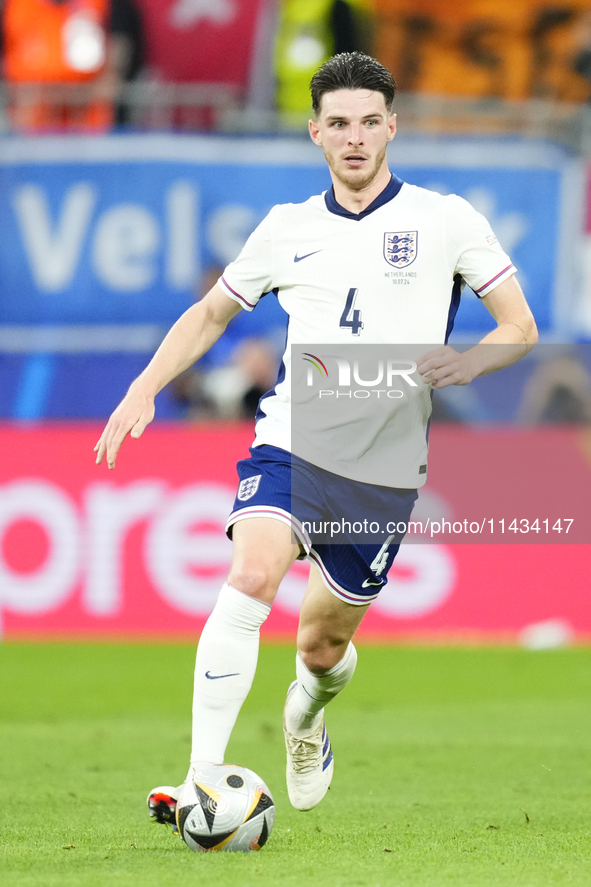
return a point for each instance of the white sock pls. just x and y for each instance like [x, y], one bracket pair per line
[224, 670]
[305, 705]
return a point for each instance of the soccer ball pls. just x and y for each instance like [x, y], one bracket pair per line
[225, 807]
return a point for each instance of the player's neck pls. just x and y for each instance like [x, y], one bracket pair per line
[357, 201]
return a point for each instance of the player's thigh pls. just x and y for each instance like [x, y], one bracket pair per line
[327, 624]
[263, 551]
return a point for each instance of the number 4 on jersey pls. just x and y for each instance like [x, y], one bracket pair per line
[354, 322]
[380, 561]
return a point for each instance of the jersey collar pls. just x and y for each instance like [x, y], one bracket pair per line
[389, 192]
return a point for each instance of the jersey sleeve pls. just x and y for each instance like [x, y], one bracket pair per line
[475, 250]
[250, 276]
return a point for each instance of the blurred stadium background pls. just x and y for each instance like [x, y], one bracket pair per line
[136, 155]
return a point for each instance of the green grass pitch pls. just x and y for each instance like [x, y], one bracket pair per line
[453, 767]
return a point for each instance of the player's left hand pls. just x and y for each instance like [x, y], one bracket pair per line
[446, 366]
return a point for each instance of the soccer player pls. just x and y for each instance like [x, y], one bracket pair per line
[333, 268]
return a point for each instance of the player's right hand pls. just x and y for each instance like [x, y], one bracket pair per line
[133, 414]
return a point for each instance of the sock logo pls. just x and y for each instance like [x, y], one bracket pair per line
[215, 677]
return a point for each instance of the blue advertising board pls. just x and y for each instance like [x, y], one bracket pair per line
[120, 229]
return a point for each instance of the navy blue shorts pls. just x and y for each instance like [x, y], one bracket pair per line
[350, 530]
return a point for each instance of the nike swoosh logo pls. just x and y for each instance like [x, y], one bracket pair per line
[215, 677]
[297, 258]
[367, 583]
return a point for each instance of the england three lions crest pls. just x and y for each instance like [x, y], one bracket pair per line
[400, 248]
[248, 487]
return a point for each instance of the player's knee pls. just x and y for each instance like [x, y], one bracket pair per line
[320, 652]
[255, 581]
[321, 660]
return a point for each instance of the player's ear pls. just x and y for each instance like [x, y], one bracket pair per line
[314, 130]
[391, 127]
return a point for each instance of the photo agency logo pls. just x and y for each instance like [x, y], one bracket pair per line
[385, 378]
[360, 411]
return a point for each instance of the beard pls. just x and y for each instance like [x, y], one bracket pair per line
[356, 179]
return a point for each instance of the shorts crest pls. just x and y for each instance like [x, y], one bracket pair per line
[400, 247]
[248, 487]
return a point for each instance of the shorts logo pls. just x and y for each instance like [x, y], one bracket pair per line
[367, 583]
[400, 248]
[248, 487]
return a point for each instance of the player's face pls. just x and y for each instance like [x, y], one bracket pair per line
[353, 128]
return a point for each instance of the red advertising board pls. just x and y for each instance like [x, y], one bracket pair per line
[195, 41]
[141, 551]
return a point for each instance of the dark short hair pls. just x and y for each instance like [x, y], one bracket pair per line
[352, 70]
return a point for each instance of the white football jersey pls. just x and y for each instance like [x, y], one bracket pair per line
[391, 275]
